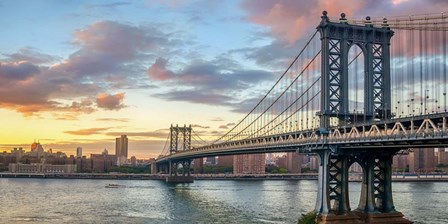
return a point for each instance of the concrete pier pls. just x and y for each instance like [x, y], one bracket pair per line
[179, 179]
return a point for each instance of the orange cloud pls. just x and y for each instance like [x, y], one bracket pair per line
[89, 131]
[110, 102]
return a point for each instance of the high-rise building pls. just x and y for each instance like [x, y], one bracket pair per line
[79, 152]
[249, 164]
[121, 149]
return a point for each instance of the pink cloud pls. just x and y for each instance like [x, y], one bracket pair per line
[290, 20]
[158, 70]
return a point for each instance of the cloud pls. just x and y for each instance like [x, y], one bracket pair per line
[290, 23]
[113, 119]
[159, 72]
[108, 47]
[110, 102]
[89, 131]
[31, 55]
[20, 71]
[199, 126]
[28, 88]
[150, 134]
[226, 126]
[207, 82]
[109, 56]
[195, 96]
[216, 119]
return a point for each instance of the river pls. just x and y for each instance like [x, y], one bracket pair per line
[204, 201]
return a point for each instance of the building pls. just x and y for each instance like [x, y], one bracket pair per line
[198, 165]
[210, 160]
[41, 168]
[282, 162]
[442, 157]
[133, 161]
[121, 149]
[314, 163]
[225, 161]
[400, 162]
[79, 152]
[293, 162]
[83, 165]
[290, 161]
[102, 162]
[249, 164]
[422, 160]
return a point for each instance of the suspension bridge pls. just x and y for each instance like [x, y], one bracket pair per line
[359, 91]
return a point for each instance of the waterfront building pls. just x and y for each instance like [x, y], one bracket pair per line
[102, 162]
[121, 149]
[249, 164]
[422, 160]
[400, 162]
[198, 165]
[78, 152]
[442, 157]
[314, 163]
[269, 158]
[210, 160]
[293, 162]
[83, 164]
[41, 168]
[225, 161]
[281, 162]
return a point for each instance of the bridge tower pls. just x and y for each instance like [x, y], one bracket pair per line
[376, 204]
[180, 140]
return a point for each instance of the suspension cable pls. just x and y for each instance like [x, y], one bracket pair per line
[272, 88]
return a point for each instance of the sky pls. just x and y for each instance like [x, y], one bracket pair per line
[81, 73]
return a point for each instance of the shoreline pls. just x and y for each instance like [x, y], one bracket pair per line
[123, 176]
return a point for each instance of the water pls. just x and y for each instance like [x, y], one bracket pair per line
[269, 201]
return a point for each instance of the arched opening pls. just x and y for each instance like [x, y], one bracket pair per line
[356, 83]
[355, 185]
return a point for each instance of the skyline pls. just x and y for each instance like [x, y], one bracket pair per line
[79, 74]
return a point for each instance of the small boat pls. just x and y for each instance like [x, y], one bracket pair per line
[115, 186]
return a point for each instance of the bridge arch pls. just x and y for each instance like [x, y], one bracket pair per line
[356, 175]
[356, 81]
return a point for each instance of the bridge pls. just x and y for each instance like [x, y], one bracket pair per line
[359, 91]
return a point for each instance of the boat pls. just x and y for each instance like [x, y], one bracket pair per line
[115, 186]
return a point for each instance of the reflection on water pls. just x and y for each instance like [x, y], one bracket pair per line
[147, 201]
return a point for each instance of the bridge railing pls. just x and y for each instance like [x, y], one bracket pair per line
[430, 127]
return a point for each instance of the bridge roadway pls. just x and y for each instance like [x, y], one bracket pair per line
[399, 133]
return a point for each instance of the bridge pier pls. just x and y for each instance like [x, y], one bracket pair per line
[375, 204]
[175, 176]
